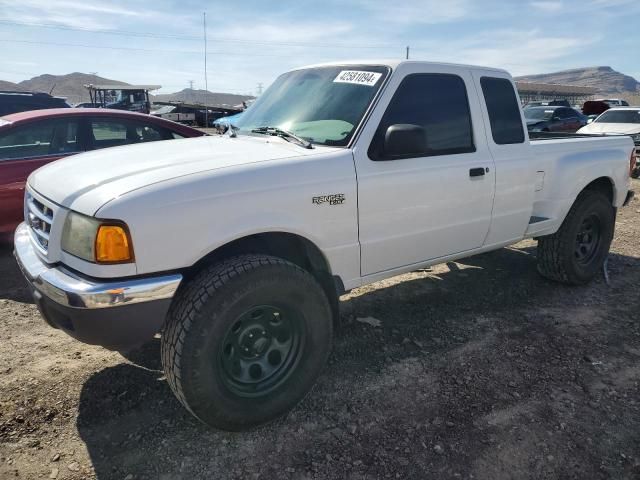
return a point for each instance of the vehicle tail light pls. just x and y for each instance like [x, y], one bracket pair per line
[632, 161]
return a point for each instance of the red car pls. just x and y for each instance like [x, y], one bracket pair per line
[29, 140]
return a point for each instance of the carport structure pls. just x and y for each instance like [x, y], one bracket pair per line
[533, 91]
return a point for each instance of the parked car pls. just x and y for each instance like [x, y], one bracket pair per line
[553, 119]
[238, 247]
[222, 123]
[14, 102]
[592, 108]
[619, 121]
[549, 103]
[614, 102]
[29, 140]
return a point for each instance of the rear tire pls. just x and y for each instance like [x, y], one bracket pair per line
[245, 340]
[577, 251]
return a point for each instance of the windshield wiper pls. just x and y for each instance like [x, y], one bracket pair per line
[279, 132]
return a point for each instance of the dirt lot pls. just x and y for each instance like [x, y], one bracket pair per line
[479, 369]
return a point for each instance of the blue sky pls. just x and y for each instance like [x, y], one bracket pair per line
[160, 41]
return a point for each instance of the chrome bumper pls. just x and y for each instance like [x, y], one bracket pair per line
[71, 290]
[117, 314]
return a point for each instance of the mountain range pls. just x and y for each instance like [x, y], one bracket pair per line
[608, 81]
[71, 87]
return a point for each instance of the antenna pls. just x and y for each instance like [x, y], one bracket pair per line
[407, 56]
[259, 89]
[51, 91]
[206, 84]
[190, 84]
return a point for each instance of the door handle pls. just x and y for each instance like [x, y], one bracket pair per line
[476, 172]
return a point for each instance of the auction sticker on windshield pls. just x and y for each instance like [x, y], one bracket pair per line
[358, 77]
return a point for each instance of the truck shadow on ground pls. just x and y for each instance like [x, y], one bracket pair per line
[12, 284]
[436, 372]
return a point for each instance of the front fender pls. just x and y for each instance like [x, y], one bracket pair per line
[175, 224]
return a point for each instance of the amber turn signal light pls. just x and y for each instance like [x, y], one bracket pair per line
[113, 245]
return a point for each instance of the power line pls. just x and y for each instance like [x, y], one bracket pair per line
[128, 33]
[105, 47]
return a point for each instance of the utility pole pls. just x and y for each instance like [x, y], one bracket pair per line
[407, 57]
[259, 89]
[192, 95]
[206, 83]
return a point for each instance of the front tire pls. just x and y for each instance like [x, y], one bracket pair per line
[245, 340]
[577, 251]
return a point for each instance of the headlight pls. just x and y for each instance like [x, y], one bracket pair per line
[96, 240]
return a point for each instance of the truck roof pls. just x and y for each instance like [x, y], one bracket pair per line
[394, 63]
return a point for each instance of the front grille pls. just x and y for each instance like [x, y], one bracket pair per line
[39, 217]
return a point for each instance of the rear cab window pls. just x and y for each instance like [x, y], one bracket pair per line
[503, 109]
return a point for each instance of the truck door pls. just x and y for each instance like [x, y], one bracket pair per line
[516, 170]
[425, 176]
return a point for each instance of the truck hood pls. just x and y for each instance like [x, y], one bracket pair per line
[87, 181]
[601, 127]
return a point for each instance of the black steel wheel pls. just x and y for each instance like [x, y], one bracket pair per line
[245, 340]
[261, 349]
[577, 251]
[588, 239]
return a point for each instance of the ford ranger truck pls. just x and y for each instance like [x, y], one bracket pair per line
[237, 247]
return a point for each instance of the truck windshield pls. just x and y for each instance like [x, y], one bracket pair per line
[322, 105]
[619, 116]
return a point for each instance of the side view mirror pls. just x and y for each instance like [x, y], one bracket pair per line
[405, 139]
[555, 118]
[589, 120]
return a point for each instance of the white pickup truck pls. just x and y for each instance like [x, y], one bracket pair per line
[237, 247]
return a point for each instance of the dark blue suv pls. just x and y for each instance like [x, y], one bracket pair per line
[14, 102]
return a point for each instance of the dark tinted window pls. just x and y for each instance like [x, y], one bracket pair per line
[49, 137]
[504, 110]
[438, 104]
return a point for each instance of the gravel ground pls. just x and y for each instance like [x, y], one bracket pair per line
[475, 369]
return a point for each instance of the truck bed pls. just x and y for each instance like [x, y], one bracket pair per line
[535, 136]
[563, 165]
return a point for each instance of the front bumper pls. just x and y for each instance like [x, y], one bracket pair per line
[117, 314]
